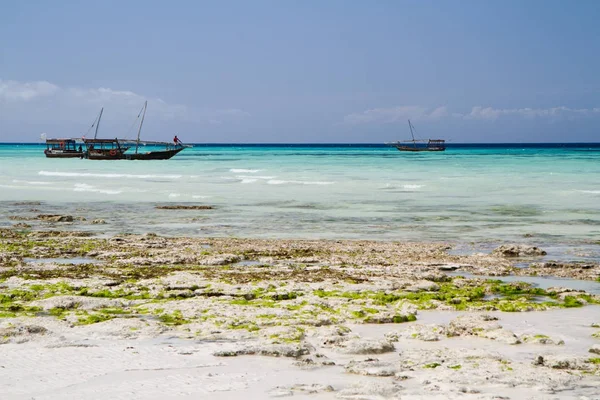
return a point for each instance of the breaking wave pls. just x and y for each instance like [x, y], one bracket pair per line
[244, 171]
[281, 182]
[84, 187]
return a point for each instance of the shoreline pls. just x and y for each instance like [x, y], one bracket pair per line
[219, 317]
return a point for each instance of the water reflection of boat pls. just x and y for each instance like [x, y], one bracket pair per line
[419, 144]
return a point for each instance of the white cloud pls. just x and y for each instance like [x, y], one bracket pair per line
[401, 113]
[439, 112]
[394, 114]
[46, 102]
[24, 91]
[489, 113]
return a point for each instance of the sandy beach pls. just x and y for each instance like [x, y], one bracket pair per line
[151, 317]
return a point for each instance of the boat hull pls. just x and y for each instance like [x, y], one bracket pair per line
[416, 149]
[105, 154]
[61, 154]
[153, 155]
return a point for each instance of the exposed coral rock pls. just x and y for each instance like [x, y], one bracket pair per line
[564, 362]
[518, 250]
[20, 333]
[79, 302]
[55, 218]
[472, 324]
[367, 390]
[427, 333]
[223, 259]
[371, 367]
[481, 325]
[541, 339]
[273, 350]
[364, 346]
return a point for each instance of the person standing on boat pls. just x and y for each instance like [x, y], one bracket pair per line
[177, 141]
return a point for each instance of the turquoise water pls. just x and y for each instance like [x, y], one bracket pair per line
[485, 194]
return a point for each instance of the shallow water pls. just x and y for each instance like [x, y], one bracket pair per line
[544, 195]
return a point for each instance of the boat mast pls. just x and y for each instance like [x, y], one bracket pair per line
[98, 123]
[411, 133]
[137, 144]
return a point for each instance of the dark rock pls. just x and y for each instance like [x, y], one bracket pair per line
[55, 218]
[185, 207]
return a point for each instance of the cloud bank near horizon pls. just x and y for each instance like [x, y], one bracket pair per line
[420, 113]
[42, 100]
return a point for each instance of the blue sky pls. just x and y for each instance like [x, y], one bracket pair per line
[302, 71]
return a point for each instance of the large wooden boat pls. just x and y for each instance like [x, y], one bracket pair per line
[156, 154]
[111, 149]
[63, 148]
[420, 145]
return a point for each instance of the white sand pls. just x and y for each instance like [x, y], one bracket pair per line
[90, 362]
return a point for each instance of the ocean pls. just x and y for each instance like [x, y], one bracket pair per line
[475, 196]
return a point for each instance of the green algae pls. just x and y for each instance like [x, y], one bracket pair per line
[572, 301]
[175, 318]
[398, 319]
[95, 318]
[58, 312]
[250, 327]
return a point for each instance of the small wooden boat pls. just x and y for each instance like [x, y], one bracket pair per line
[63, 148]
[431, 145]
[170, 150]
[420, 145]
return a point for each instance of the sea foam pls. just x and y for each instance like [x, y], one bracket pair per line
[412, 187]
[96, 175]
[244, 171]
[282, 182]
[33, 182]
[84, 187]
[590, 191]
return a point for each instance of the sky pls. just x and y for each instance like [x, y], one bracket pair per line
[296, 71]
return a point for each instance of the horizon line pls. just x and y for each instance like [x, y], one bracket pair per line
[337, 143]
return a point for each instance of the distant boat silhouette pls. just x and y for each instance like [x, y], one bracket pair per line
[427, 145]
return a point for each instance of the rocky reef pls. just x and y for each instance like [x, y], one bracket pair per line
[301, 300]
